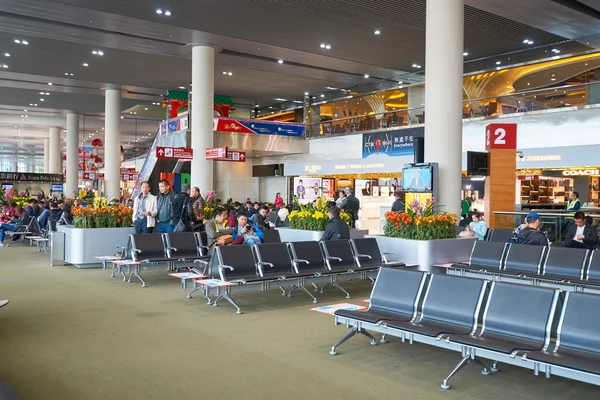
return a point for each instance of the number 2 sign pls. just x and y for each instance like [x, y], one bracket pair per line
[501, 136]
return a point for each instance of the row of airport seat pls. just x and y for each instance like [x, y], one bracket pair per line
[561, 267]
[295, 263]
[483, 319]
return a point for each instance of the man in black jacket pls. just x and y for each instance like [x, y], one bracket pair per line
[164, 219]
[531, 234]
[182, 207]
[352, 206]
[398, 205]
[581, 234]
[336, 228]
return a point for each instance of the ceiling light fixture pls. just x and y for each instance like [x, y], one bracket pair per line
[49, 83]
[377, 32]
[159, 11]
[528, 41]
[85, 64]
[6, 54]
[322, 95]
[280, 61]
[98, 52]
[325, 46]
[182, 87]
[416, 66]
[366, 76]
[280, 99]
[555, 51]
[306, 93]
[230, 73]
[465, 54]
[498, 62]
[41, 99]
[4, 66]
[168, 13]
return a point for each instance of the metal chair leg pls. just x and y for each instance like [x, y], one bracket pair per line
[227, 297]
[353, 332]
[467, 359]
[305, 290]
[495, 367]
[196, 289]
[292, 290]
[337, 286]
[136, 273]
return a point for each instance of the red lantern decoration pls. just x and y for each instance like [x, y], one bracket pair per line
[97, 142]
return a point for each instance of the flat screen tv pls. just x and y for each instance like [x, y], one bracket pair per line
[56, 188]
[417, 178]
[477, 163]
[6, 186]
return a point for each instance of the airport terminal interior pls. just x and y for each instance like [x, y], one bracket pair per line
[298, 199]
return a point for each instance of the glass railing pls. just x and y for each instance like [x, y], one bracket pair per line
[548, 98]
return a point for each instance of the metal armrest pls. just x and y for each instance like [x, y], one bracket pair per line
[386, 260]
[222, 268]
[297, 261]
[205, 262]
[134, 253]
[368, 257]
[334, 258]
[120, 247]
[171, 248]
[260, 267]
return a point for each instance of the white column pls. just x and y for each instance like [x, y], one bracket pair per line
[15, 166]
[444, 94]
[112, 144]
[46, 155]
[71, 183]
[416, 100]
[202, 105]
[54, 151]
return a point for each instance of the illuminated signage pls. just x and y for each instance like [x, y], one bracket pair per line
[553, 157]
[312, 168]
[582, 172]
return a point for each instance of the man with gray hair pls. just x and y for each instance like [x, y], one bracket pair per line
[182, 207]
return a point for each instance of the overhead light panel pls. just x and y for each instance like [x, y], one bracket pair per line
[416, 66]
[377, 32]
[465, 54]
[97, 52]
[498, 62]
[366, 76]
[50, 83]
[21, 41]
[280, 99]
[325, 46]
[528, 41]
[280, 61]
[555, 51]
[85, 64]
[6, 54]
[182, 87]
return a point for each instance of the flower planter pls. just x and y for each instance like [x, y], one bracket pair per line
[83, 244]
[427, 252]
[299, 235]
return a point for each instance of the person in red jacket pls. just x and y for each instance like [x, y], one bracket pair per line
[278, 201]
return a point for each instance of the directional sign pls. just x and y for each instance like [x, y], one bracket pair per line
[213, 153]
[235, 156]
[174, 152]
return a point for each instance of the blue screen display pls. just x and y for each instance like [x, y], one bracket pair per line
[416, 178]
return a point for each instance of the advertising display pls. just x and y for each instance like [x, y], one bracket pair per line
[31, 177]
[176, 124]
[329, 188]
[417, 178]
[391, 144]
[421, 198]
[258, 127]
[307, 189]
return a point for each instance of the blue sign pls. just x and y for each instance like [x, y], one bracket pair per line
[274, 128]
[396, 143]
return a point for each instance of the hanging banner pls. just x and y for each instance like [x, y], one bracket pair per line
[216, 152]
[173, 125]
[251, 126]
[397, 143]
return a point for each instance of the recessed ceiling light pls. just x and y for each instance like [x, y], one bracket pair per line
[31, 104]
[553, 79]
[224, 72]
[85, 64]
[377, 32]
[528, 41]
[159, 11]
[498, 62]
[306, 93]
[280, 61]
[4, 66]
[280, 99]
[50, 83]
[416, 66]
[47, 94]
[555, 51]
[35, 105]
[181, 87]
[41, 99]
[498, 68]
[465, 54]
[256, 105]
[168, 13]
[229, 73]
[400, 82]
[366, 75]
[322, 95]
[17, 41]
[328, 47]
[323, 45]
[6, 54]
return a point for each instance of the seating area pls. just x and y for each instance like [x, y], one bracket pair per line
[537, 328]
[562, 268]
[294, 265]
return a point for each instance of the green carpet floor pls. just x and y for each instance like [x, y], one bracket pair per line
[78, 334]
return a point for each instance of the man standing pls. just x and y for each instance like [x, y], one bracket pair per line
[165, 199]
[581, 234]
[574, 204]
[300, 189]
[182, 207]
[144, 210]
[531, 234]
[198, 207]
[336, 228]
[352, 206]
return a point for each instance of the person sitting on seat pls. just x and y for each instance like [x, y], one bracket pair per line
[336, 228]
[66, 217]
[260, 218]
[531, 235]
[245, 233]
[8, 211]
[17, 224]
[581, 234]
[214, 227]
[477, 228]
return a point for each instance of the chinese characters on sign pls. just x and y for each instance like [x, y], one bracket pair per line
[216, 152]
[27, 177]
[174, 152]
[392, 144]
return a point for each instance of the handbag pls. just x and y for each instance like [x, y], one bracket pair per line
[224, 240]
[181, 226]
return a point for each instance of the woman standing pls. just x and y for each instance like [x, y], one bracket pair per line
[341, 201]
[278, 201]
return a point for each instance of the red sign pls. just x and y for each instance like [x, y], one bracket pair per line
[501, 136]
[216, 152]
[235, 156]
[174, 152]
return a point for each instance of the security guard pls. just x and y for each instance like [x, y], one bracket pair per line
[574, 204]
